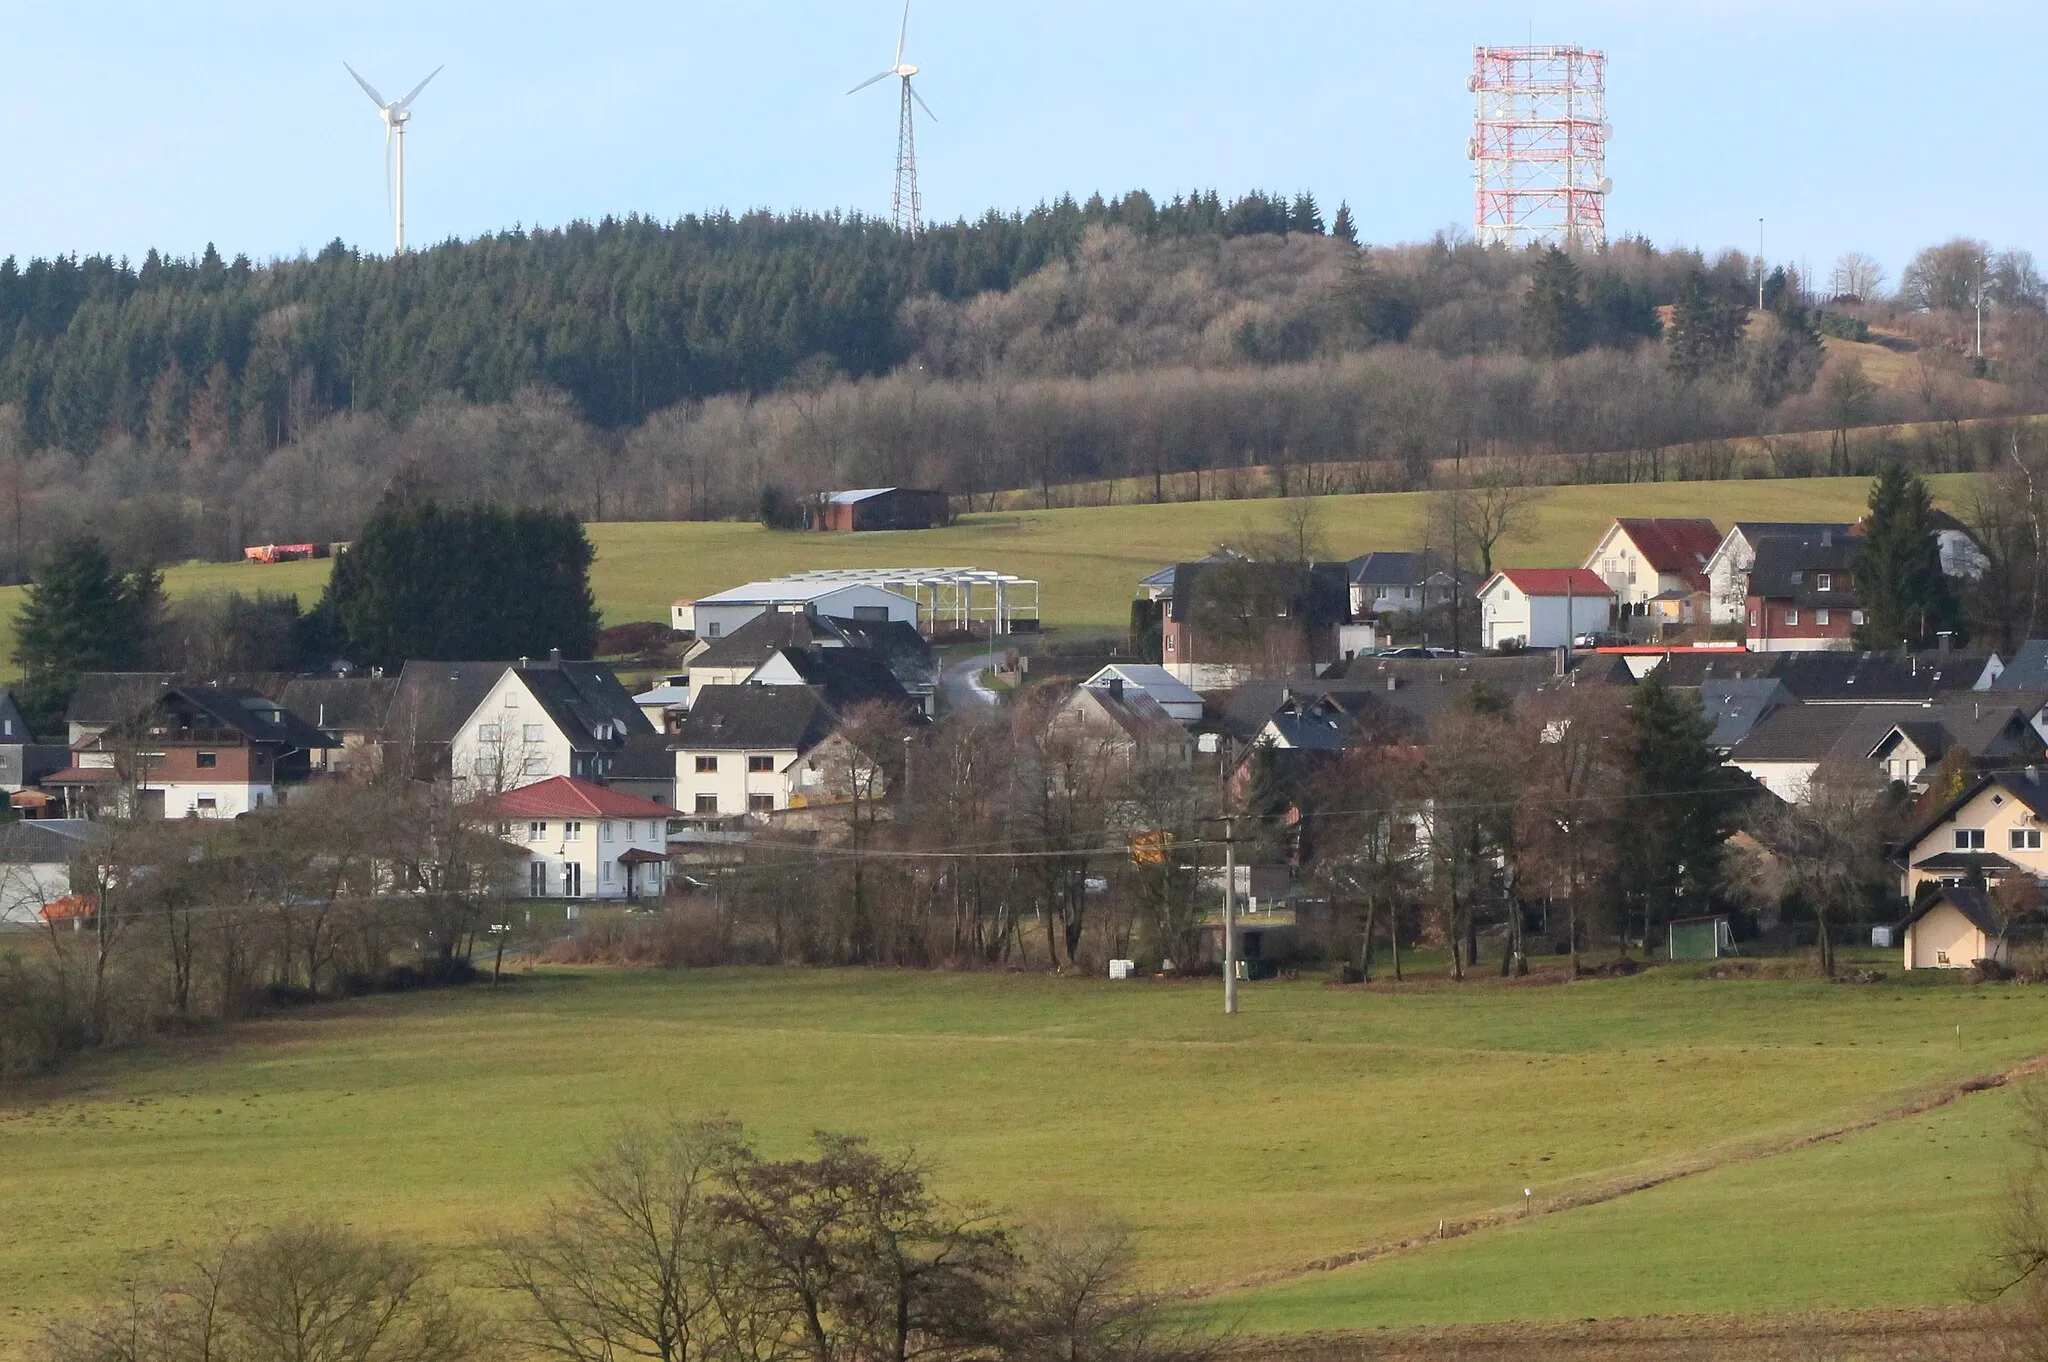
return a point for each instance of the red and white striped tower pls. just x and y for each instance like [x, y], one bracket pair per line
[1539, 146]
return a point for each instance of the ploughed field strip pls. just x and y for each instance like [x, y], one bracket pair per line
[1320, 1121]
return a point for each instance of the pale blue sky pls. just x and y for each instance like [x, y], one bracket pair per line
[1876, 125]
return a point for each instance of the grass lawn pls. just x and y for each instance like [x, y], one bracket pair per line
[1089, 560]
[1319, 1121]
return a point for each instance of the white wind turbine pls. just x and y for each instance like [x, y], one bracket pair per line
[906, 209]
[396, 114]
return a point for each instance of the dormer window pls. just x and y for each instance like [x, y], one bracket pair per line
[1823, 581]
[1798, 577]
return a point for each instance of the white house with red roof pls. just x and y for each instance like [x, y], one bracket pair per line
[1642, 559]
[583, 841]
[1542, 607]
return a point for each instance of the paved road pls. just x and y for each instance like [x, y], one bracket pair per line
[961, 683]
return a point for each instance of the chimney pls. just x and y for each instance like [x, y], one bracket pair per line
[1827, 537]
[554, 657]
[1116, 689]
[2033, 776]
[522, 663]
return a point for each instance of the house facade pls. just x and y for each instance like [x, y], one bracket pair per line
[1389, 582]
[582, 840]
[1542, 607]
[1227, 620]
[1802, 596]
[1641, 559]
[751, 749]
[1953, 929]
[1991, 831]
[1728, 566]
[541, 720]
[194, 752]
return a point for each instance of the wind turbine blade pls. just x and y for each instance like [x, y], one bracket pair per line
[871, 80]
[407, 101]
[903, 32]
[368, 88]
[920, 101]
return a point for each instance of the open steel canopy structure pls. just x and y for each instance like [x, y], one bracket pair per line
[953, 597]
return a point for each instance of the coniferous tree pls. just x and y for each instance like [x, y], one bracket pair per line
[1681, 811]
[1553, 313]
[1306, 216]
[1906, 597]
[1345, 229]
[81, 615]
[470, 582]
[1706, 329]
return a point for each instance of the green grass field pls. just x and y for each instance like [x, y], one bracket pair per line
[1089, 560]
[1320, 1121]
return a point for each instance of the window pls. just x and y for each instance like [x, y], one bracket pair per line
[2024, 839]
[533, 766]
[482, 764]
[707, 766]
[604, 872]
[536, 831]
[572, 832]
[490, 733]
[537, 880]
[1823, 581]
[713, 629]
[530, 733]
[1797, 577]
[208, 760]
[511, 700]
[1791, 619]
[1969, 839]
[760, 763]
[7, 726]
[707, 803]
[1752, 619]
[1820, 617]
[572, 880]
[760, 803]
[207, 804]
[605, 831]
[1855, 617]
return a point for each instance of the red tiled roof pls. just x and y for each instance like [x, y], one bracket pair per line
[81, 775]
[1552, 581]
[1672, 545]
[560, 796]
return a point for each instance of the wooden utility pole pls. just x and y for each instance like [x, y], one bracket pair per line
[1230, 917]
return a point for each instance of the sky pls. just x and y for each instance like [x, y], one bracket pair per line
[1868, 125]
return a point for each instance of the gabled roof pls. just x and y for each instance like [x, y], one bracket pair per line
[1316, 594]
[646, 756]
[761, 717]
[567, 797]
[586, 702]
[1973, 903]
[1735, 707]
[1385, 568]
[1998, 732]
[785, 591]
[1137, 714]
[352, 704]
[107, 697]
[46, 841]
[1756, 531]
[2031, 791]
[2028, 669]
[1157, 682]
[435, 699]
[1669, 545]
[1809, 733]
[757, 640]
[1785, 570]
[257, 718]
[1837, 677]
[1680, 668]
[1550, 581]
[848, 676]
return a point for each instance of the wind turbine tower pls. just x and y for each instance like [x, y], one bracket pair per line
[906, 209]
[396, 114]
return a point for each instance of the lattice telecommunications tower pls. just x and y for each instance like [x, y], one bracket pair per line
[1539, 146]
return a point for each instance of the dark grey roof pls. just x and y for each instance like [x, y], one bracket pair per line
[46, 841]
[1967, 899]
[1984, 729]
[2028, 669]
[435, 698]
[108, 697]
[848, 676]
[586, 702]
[1838, 677]
[1141, 717]
[1393, 568]
[1423, 686]
[896, 642]
[1787, 570]
[1755, 531]
[646, 756]
[1317, 595]
[1736, 705]
[257, 718]
[1719, 664]
[756, 717]
[353, 704]
[2028, 788]
[1809, 732]
[762, 636]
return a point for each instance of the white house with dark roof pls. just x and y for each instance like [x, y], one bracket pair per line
[541, 720]
[750, 749]
[1728, 567]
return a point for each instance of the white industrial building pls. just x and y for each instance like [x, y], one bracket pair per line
[930, 600]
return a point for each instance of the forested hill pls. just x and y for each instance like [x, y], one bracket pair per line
[625, 316]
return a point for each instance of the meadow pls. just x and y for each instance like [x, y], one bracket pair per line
[1088, 559]
[1320, 1122]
